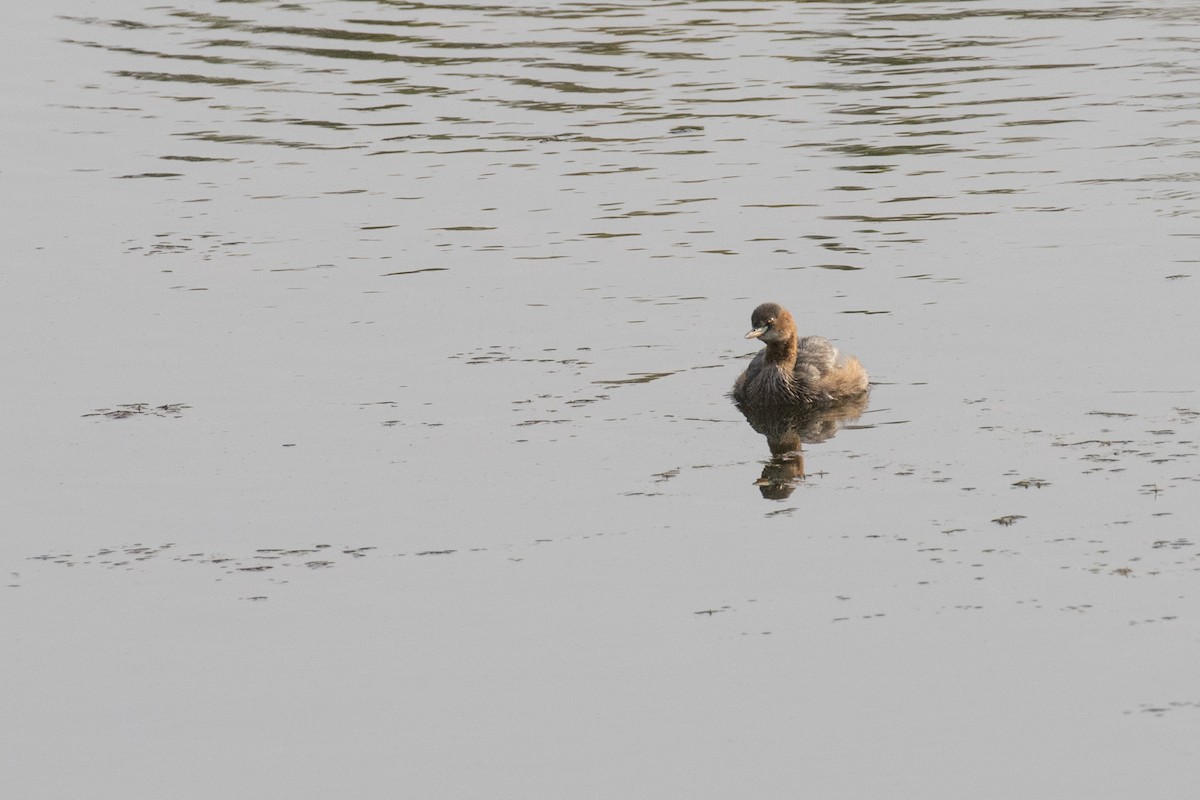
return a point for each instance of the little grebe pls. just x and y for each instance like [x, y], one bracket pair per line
[793, 371]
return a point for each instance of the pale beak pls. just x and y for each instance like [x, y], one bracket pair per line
[757, 332]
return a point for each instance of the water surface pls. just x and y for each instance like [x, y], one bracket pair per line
[367, 433]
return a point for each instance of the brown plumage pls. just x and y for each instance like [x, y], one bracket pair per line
[795, 371]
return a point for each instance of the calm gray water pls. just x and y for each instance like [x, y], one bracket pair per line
[365, 421]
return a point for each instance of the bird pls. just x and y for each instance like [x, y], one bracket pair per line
[795, 371]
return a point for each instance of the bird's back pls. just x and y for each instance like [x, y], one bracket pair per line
[822, 377]
[816, 353]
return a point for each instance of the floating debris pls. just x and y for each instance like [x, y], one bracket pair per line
[126, 556]
[1175, 544]
[126, 410]
[1159, 709]
[1008, 519]
[414, 271]
[638, 377]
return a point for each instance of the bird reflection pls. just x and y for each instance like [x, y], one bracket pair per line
[787, 429]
